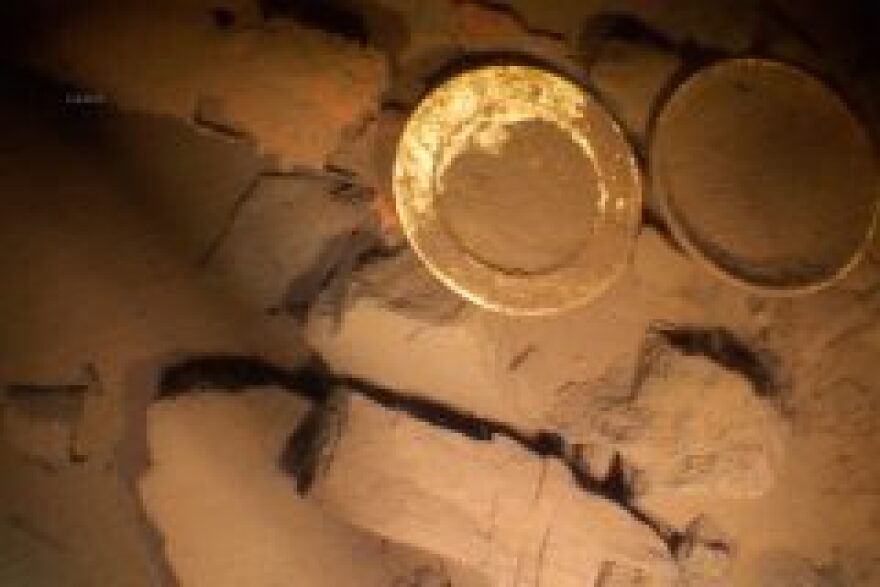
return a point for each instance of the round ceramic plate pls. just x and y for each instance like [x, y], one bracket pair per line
[766, 176]
[517, 190]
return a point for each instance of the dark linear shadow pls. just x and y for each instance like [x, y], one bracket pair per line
[301, 457]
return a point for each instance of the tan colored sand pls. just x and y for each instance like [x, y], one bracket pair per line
[293, 89]
[528, 208]
[229, 516]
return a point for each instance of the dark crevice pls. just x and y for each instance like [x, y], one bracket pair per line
[323, 288]
[511, 13]
[340, 171]
[654, 220]
[329, 16]
[604, 27]
[520, 358]
[624, 27]
[697, 56]
[617, 484]
[325, 278]
[210, 115]
[219, 128]
[775, 14]
[420, 73]
[212, 248]
[719, 546]
[223, 18]
[395, 105]
[304, 448]
[233, 373]
[347, 188]
[677, 543]
[318, 383]
[720, 345]
[349, 180]
[387, 28]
